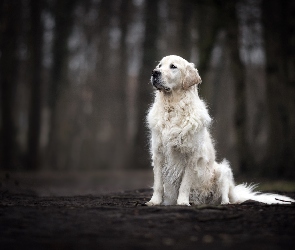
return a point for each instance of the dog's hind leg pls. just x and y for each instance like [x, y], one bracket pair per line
[225, 181]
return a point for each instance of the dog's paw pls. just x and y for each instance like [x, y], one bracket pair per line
[225, 201]
[151, 203]
[183, 200]
[183, 204]
[154, 201]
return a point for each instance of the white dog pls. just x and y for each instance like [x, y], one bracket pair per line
[182, 150]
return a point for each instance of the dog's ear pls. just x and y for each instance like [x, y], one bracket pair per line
[191, 77]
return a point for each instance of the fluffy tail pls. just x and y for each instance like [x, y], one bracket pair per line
[245, 192]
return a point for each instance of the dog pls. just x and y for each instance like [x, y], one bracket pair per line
[181, 147]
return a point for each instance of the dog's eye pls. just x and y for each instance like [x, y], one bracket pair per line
[172, 66]
[159, 66]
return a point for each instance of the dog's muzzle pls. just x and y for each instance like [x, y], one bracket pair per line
[157, 81]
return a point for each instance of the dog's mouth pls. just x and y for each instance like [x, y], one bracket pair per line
[158, 85]
[161, 87]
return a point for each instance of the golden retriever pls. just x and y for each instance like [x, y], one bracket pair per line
[181, 147]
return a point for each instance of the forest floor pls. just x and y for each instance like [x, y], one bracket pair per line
[33, 218]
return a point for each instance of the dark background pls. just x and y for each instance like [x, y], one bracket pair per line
[74, 80]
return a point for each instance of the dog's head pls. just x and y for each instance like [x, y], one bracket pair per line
[174, 73]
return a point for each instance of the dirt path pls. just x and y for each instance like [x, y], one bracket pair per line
[121, 221]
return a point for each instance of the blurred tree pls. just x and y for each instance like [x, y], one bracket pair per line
[178, 26]
[185, 29]
[208, 15]
[10, 17]
[98, 145]
[173, 21]
[125, 17]
[36, 42]
[279, 39]
[88, 109]
[150, 55]
[63, 16]
[112, 87]
[239, 77]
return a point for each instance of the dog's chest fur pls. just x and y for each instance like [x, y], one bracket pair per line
[179, 128]
[178, 122]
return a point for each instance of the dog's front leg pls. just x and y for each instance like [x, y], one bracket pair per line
[158, 187]
[185, 187]
[158, 160]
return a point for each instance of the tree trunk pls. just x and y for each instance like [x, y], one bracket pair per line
[239, 74]
[98, 145]
[125, 16]
[10, 13]
[279, 37]
[209, 21]
[178, 35]
[185, 27]
[63, 11]
[36, 38]
[150, 56]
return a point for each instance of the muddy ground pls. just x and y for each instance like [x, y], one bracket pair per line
[120, 220]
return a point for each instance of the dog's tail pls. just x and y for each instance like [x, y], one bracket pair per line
[245, 192]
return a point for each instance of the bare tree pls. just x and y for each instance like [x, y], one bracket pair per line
[150, 55]
[63, 15]
[100, 146]
[239, 74]
[125, 16]
[10, 13]
[208, 15]
[185, 29]
[279, 39]
[178, 28]
[36, 40]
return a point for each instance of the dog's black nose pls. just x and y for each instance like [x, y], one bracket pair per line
[156, 73]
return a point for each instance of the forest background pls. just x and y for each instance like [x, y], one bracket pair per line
[75, 75]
